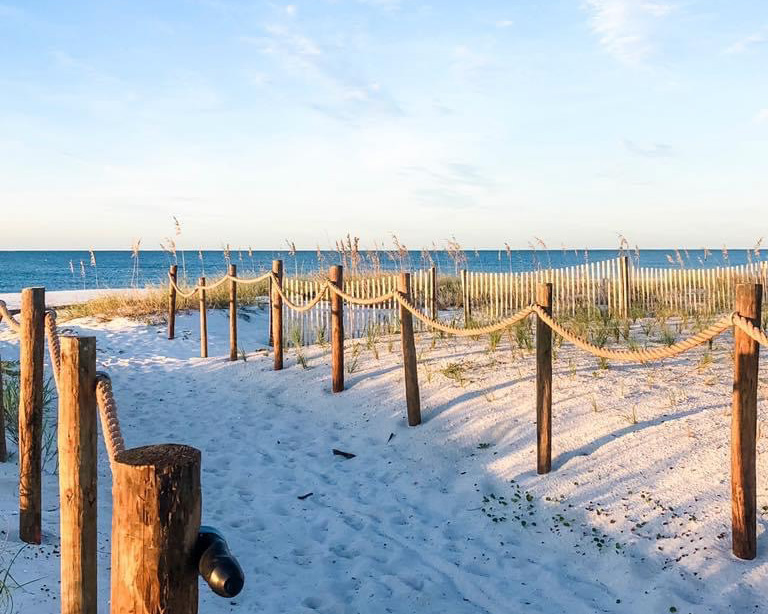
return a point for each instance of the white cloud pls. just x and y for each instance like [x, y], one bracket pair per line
[625, 27]
[762, 116]
[291, 10]
[655, 150]
[742, 45]
[504, 23]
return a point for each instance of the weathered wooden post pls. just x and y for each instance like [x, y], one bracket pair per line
[744, 425]
[203, 319]
[277, 314]
[31, 413]
[336, 277]
[156, 507]
[3, 448]
[412, 398]
[433, 292]
[544, 382]
[172, 301]
[465, 297]
[77, 434]
[269, 310]
[624, 285]
[232, 312]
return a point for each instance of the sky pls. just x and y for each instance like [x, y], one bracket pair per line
[490, 121]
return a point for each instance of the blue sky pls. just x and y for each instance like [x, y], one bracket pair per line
[490, 121]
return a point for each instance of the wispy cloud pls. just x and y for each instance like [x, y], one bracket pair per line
[625, 27]
[762, 116]
[740, 46]
[655, 150]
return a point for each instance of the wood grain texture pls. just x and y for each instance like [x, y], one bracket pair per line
[3, 445]
[232, 313]
[277, 316]
[336, 277]
[412, 397]
[544, 382]
[173, 272]
[203, 319]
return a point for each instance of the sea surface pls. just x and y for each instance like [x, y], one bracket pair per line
[71, 270]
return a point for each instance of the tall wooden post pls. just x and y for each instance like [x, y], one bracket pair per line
[269, 310]
[3, 448]
[277, 314]
[744, 425]
[172, 301]
[624, 287]
[203, 320]
[412, 399]
[544, 382]
[232, 312]
[336, 277]
[465, 297]
[77, 433]
[433, 292]
[31, 413]
[156, 505]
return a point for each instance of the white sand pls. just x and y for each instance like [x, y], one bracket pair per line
[407, 526]
[57, 298]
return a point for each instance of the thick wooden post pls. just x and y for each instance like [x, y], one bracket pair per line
[744, 425]
[336, 277]
[232, 313]
[269, 311]
[156, 504]
[203, 319]
[277, 314]
[31, 414]
[412, 399]
[465, 297]
[433, 292]
[543, 382]
[624, 287]
[77, 433]
[3, 448]
[172, 301]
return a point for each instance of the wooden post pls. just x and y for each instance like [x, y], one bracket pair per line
[744, 425]
[412, 399]
[624, 285]
[31, 414]
[433, 291]
[232, 312]
[3, 448]
[203, 320]
[156, 504]
[544, 382]
[269, 311]
[465, 297]
[277, 314]
[336, 277]
[77, 474]
[172, 301]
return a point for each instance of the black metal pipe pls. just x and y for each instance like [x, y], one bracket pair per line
[216, 564]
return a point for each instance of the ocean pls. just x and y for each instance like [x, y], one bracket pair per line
[72, 270]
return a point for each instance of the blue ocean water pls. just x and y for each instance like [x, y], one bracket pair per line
[67, 270]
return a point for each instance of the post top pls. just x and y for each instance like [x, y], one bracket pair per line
[159, 455]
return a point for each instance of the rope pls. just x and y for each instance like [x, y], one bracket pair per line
[354, 300]
[110, 424]
[54, 346]
[753, 331]
[217, 283]
[4, 313]
[300, 308]
[637, 355]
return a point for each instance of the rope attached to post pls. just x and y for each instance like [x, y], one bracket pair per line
[6, 315]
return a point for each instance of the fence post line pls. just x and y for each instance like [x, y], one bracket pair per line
[433, 291]
[232, 312]
[277, 314]
[203, 319]
[412, 399]
[156, 507]
[77, 433]
[3, 448]
[624, 285]
[543, 382]
[31, 413]
[172, 301]
[336, 277]
[744, 425]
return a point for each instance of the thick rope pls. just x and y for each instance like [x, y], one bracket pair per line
[307, 306]
[644, 355]
[753, 331]
[217, 283]
[110, 424]
[6, 315]
[54, 346]
[367, 302]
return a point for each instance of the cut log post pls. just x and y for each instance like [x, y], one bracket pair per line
[232, 312]
[465, 297]
[156, 506]
[433, 292]
[269, 310]
[3, 446]
[77, 433]
[624, 285]
[744, 425]
[203, 319]
[172, 301]
[277, 314]
[31, 413]
[336, 277]
[544, 382]
[412, 399]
